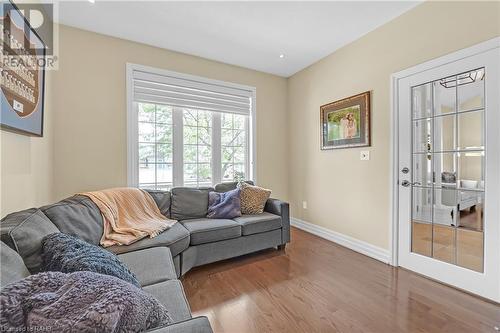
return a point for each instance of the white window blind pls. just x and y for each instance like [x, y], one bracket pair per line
[190, 93]
[185, 130]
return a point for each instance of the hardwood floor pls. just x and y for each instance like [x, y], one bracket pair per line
[462, 246]
[318, 286]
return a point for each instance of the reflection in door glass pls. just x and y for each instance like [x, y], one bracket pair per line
[422, 221]
[422, 101]
[445, 97]
[470, 90]
[470, 126]
[422, 169]
[422, 138]
[445, 133]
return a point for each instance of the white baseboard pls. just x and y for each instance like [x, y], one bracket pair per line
[346, 241]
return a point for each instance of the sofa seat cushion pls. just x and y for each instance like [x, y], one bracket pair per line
[211, 230]
[176, 239]
[171, 295]
[150, 266]
[257, 223]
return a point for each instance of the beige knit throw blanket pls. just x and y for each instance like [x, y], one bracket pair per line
[129, 214]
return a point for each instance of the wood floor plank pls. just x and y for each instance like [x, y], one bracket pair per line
[318, 286]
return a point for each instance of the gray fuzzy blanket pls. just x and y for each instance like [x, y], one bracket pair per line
[68, 254]
[78, 302]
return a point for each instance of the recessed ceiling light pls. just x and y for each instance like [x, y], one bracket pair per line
[282, 56]
[92, 1]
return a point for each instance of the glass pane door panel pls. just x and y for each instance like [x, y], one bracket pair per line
[444, 133]
[448, 168]
[444, 167]
[471, 129]
[444, 223]
[422, 101]
[422, 221]
[445, 95]
[422, 205]
[470, 90]
[421, 242]
[470, 249]
[471, 169]
[471, 210]
[422, 169]
[445, 206]
[422, 136]
[443, 243]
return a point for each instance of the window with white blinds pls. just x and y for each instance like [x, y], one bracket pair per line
[185, 130]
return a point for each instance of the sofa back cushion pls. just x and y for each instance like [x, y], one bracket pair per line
[77, 216]
[13, 268]
[224, 187]
[162, 199]
[189, 203]
[23, 231]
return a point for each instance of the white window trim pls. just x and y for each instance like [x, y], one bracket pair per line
[133, 128]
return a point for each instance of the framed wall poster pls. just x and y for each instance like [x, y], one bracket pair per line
[346, 123]
[22, 74]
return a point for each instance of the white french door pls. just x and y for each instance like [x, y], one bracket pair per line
[449, 172]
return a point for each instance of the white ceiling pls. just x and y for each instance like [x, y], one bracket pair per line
[247, 34]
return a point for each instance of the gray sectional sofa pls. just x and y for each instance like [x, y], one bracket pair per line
[157, 262]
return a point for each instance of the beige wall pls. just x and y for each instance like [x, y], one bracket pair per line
[27, 164]
[90, 110]
[343, 193]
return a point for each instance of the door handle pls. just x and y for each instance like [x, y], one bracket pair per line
[406, 183]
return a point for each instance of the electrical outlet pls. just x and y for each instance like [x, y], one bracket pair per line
[364, 155]
[304, 204]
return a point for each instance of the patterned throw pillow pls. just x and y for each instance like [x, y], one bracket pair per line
[225, 205]
[253, 198]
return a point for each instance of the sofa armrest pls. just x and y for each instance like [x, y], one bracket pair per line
[281, 208]
[194, 325]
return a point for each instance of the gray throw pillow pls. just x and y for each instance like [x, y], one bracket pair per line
[67, 254]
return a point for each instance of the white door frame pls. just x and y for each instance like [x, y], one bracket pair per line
[394, 166]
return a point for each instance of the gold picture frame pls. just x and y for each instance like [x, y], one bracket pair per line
[346, 123]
